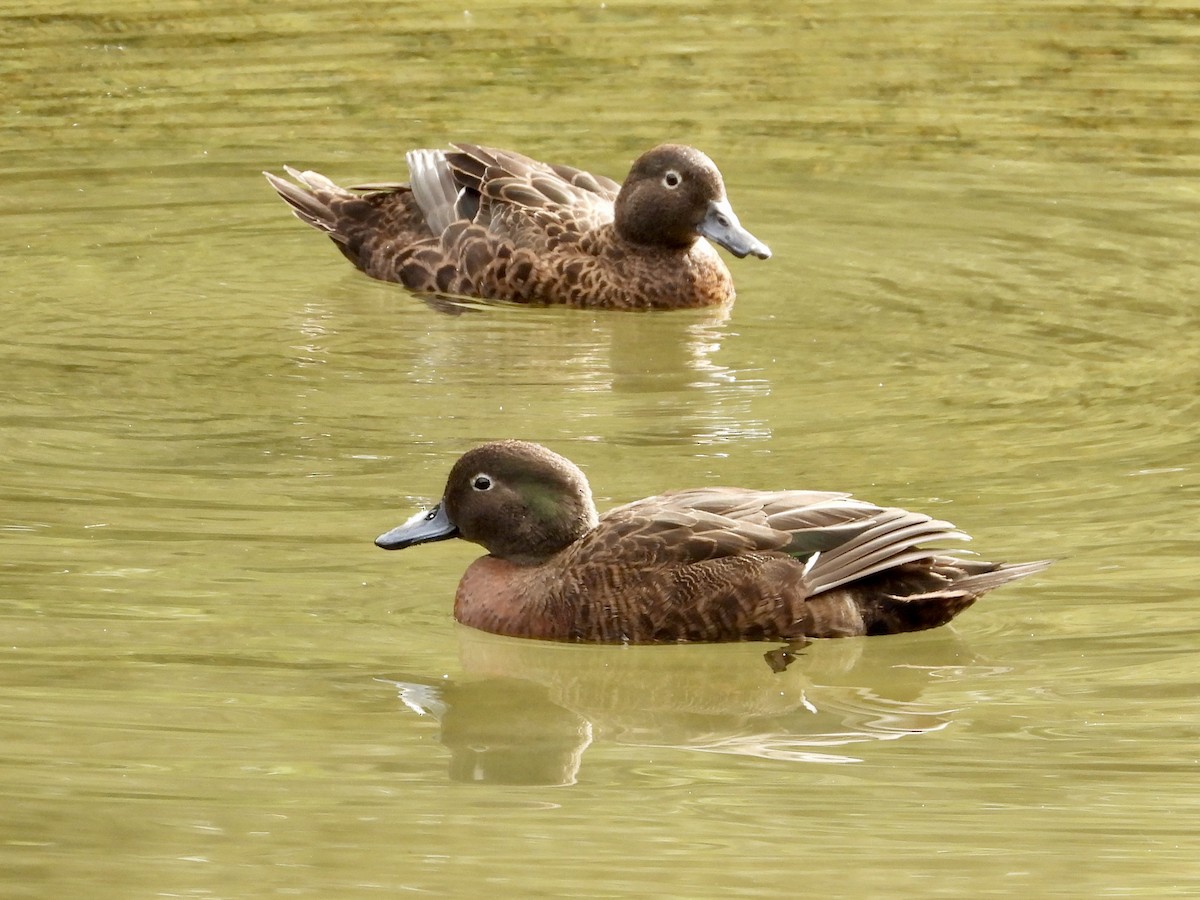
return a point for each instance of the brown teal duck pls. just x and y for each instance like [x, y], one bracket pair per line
[480, 222]
[706, 564]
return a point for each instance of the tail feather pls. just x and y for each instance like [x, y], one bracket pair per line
[310, 206]
[380, 230]
[918, 593]
[1003, 573]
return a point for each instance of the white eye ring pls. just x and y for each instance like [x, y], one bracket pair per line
[672, 180]
[482, 482]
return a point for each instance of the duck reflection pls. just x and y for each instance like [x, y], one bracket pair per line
[636, 368]
[503, 730]
[525, 712]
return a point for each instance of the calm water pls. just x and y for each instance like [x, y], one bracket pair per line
[983, 302]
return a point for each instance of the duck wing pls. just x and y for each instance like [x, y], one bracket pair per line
[515, 192]
[841, 539]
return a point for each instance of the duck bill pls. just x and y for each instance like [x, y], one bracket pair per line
[721, 226]
[423, 528]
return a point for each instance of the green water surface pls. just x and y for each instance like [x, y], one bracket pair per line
[982, 303]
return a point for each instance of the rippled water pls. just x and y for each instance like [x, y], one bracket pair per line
[982, 302]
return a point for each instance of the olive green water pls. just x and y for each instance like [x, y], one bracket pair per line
[983, 303]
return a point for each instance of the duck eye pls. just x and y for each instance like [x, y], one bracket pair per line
[482, 482]
[672, 179]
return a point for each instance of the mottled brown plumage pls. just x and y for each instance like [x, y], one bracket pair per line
[706, 564]
[489, 223]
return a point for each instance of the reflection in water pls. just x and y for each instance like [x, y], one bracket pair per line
[528, 710]
[502, 730]
[658, 376]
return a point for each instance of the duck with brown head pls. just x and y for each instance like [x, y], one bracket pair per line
[481, 222]
[705, 564]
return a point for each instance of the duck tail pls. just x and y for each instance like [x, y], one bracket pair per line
[312, 204]
[370, 224]
[951, 585]
[996, 574]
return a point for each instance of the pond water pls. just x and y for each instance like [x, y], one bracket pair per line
[982, 303]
